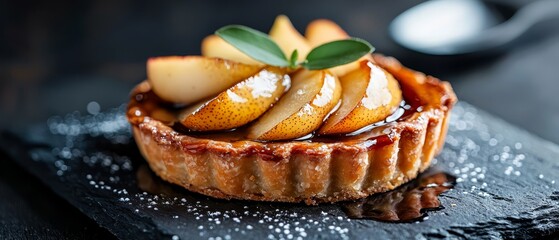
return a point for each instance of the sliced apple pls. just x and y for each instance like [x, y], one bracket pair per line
[214, 46]
[288, 38]
[369, 95]
[238, 105]
[188, 79]
[321, 31]
[313, 94]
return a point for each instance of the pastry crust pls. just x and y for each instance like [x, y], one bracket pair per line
[311, 171]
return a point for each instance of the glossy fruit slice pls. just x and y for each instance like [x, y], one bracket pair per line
[369, 95]
[302, 109]
[214, 46]
[321, 31]
[188, 79]
[288, 38]
[238, 105]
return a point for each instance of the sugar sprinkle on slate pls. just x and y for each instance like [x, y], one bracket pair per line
[96, 153]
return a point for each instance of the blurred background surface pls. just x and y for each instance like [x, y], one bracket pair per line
[58, 57]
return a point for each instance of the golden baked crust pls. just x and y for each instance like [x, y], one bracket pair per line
[311, 171]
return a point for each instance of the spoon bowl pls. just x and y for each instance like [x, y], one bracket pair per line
[453, 27]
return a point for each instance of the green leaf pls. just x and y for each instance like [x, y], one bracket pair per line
[254, 43]
[293, 59]
[337, 53]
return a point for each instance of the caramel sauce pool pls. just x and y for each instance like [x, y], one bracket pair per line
[407, 203]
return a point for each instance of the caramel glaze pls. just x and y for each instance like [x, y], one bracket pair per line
[144, 105]
[406, 203]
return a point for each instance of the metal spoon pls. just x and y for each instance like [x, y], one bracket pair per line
[451, 27]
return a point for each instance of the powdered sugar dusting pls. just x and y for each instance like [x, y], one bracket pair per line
[98, 148]
[460, 148]
[112, 126]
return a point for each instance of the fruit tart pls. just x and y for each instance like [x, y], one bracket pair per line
[288, 117]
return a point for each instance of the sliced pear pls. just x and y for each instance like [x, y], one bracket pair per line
[321, 31]
[313, 94]
[288, 38]
[188, 79]
[238, 105]
[214, 46]
[369, 95]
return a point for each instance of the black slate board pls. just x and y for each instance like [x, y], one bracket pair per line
[508, 187]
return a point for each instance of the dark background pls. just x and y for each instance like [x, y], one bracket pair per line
[56, 57]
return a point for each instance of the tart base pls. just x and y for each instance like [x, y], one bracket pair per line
[303, 171]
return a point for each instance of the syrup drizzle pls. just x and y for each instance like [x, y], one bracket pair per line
[407, 203]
